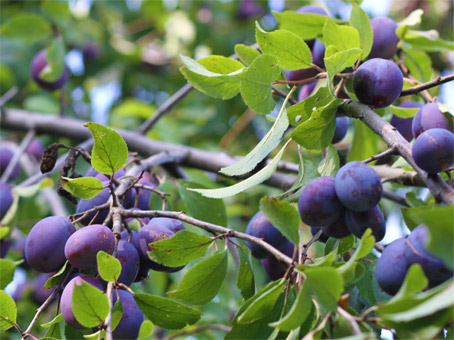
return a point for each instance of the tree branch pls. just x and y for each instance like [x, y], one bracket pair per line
[433, 83]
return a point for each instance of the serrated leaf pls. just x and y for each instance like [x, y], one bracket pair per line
[300, 310]
[246, 53]
[110, 151]
[7, 268]
[317, 132]
[180, 249]
[283, 216]
[360, 20]
[291, 51]
[203, 281]
[268, 143]
[8, 311]
[419, 64]
[90, 306]
[252, 181]
[307, 26]
[18, 28]
[200, 207]
[326, 284]
[82, 187]
[55, 57]
[403, 112]
[340, 36]
[54, 321]
[302, 111]
[257, 81]
[330, 164]
[262, 305]
[57, 277]
[165, 312]
[146, 328]
[108, 266]
[245, 280]
[338, 60]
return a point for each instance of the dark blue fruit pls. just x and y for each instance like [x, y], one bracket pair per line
[6, 155]
[306, 91]
[392, 266]
[429, 117]
[40, 294]
[261, 227]
[433, 150]
[358, 222]
[129, 258]
[249, 8]
[341, 129]
[6, 199]
[45, 244]
[323, 237]
[404, 125]
[385, 39]
[274, 268]
[143, 199]
[318, 204]
[358, 186]
[132, 318]
[39, 62]
[35, 149]
[378, 82]
[87, 204]
[83, 246]
[337, 229]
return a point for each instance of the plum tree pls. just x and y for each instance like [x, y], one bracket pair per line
[38, 64]
[132, 318]
[6, 155]
[359, 221]
[433, 150]
[385, 39]
[358, 186]
[45, 244]
[378, 82]
[428, 117]
[82, 247]
[404, 125]
[318, 203]
[6, 199]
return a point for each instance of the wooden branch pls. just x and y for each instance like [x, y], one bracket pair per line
[433, 83]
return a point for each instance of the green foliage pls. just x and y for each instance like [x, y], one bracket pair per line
[307, 26]
[18, 28]
[55, 57]
[146, 328]
[90, 305]
[8, 311]
[7, 268]
[245, 281]
[246, 53]
[83, 187]
[109, 267]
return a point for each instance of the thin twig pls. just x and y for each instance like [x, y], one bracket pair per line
[17, 155]
[433, 83]
[308, 244]
[392, 196]
[392, 150]
[353, 323]
[303, 81]
[8, 95]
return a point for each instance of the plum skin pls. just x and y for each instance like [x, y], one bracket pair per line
[261, 227]
[87, 204]
[318, 204]
[429, 117]
[83, 246]
[45, 244]
[6, 199]
[337, 229]
[385, 39]
[274, 268]
[433, 150]
[67, 297]
[129, 258]
[404, 125]
[39, 62]
[378, 82]
[341, 129]
[358, 222]
[132, 318]
[6, 155]
[358, 186]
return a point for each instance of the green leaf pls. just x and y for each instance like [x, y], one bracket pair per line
[100, 334]
[283, 216]
[330, 164]
[262, 305]
[302, 111]
[326, 284]
[90, 306]
[257, 81]
[117, 313]
[56, 11]
[300, 310]
[110, 151]
[214, 75]
[268, 143]
[82, 187]
[245, 280]
[414, 18]
[57, 277]
[415, 281]
[342, 37]
[360, 20]
[108, 266]
[336, 61]
[246, 53]
[7, 268]
[403, 112]
[365, 142]
[165, 312]
[18, 28]
[32, 190]
[180, 249]
[291, 51]
[8, 311]
[365, 246]
[252, 181]
[55, 57]
[318, 131]
[428, 41]
[200, 207]
[439, 220]
[419, 64]
[307, 26]
[131, 107]
[146, 328]
[54, 321]
[4, 231]
[203, 281]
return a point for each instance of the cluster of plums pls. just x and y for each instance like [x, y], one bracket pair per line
[398, 256]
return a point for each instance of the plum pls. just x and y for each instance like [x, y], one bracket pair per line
[274, 268]
[358, 186]
[40, 294]
[385, 39]
[130, 261]
[35, 149]
[261, 227]
[428, 117]
[83, 246]
[306, 91]
[249, 8]
[341, 129]
[323, 237]
[132, 318]
[45, 244]
[337, 229]
[6, 199]
[378, 82]
[318, 204]
[87, 204]
[404, 125]
[433, 150]
[143, 199]
[358, 222]
[39, 62]
[6, 155]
